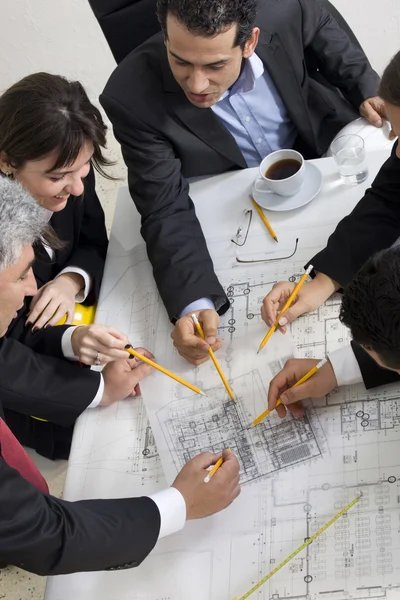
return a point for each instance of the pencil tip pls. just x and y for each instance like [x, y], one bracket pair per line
[258, 351]
[203, 394]
[275, 238]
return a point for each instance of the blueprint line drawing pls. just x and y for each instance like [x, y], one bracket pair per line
[192, 425]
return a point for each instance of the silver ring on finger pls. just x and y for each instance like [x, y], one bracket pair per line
[97, 361]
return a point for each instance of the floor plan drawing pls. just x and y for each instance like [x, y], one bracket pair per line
[193, 425]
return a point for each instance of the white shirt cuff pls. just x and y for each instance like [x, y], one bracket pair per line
[172, 508]
[66, 344]
[83, 294]
[345, 366]
[98, 397]
[202, 304]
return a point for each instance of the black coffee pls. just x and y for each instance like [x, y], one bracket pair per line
[283, 169]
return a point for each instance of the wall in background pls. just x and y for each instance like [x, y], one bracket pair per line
[62, 36]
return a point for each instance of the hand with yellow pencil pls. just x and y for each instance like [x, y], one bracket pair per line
[308, 298]
[283, 385]
[287, 304]
[189, 345]
[204, 499]
[98, 344]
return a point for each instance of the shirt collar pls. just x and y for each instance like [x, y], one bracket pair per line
[49, 214]
[252, 70]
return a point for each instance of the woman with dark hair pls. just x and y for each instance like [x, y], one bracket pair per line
[51, 140]
[51, 136]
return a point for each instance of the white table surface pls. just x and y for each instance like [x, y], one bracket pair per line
[128, 450]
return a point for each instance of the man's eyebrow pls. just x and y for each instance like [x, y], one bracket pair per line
[217, 62]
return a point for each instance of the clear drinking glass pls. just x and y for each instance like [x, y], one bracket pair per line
[349, 154]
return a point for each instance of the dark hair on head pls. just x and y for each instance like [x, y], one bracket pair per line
[389, 88]
[209, 18]
[371, 306]
[43, 113]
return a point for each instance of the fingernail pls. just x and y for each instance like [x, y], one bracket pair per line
[211, 340]
[35, 329]
[46, 326]
[28, 324]
[130, 356]
[283, 321]
[128, 346]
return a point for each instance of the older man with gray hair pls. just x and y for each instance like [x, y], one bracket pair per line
[50, 536]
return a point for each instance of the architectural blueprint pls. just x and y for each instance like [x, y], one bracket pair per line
[296, 473]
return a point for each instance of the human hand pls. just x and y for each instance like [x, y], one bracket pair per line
[310, 296]
[122, 377]
[98, 344]
[204, 499]
[320, 384]
[54, 300]
[190, 345]
[373, 109]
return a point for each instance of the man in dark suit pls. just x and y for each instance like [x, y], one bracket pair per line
[48, 536]
[226, 84]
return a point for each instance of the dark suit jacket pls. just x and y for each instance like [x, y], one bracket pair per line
[373, 225]
[166, 139]
[35, 379]
[48, 536]
[82, 227]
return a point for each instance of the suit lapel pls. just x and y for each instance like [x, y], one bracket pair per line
[279, 66]
[201, 121]
[206, 126]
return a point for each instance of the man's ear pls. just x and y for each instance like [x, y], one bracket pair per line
[251, 44]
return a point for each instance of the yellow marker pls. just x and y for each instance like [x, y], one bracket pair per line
[306, 543]
[146, 360]
[302, 380]
[212, 356]
[286, 306]
[215, 468]
[264, 218]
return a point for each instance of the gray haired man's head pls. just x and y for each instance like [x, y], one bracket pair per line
[22, 221]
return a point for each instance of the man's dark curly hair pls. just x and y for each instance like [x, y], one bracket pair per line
[209, 18]
[371, 306]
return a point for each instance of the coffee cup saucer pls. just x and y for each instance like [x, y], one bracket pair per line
[309, 190]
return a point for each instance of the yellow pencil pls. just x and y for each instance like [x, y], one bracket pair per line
[305, 378]
[264, 219]
[144, 359]
[286, 306]
[215, 468]
[212, 356]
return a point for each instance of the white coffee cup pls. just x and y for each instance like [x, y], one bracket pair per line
[283, 187]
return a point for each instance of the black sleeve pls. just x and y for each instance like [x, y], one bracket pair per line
[373, 375]
[373, 225]
[342, 63]
[44, 386]
[48, 536]
[176, 247]
[91, 251]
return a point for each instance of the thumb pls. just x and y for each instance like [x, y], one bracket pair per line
[298, 393]
[140, 372]
[205, 460]
[292, 313]
[210, 321]
[372, 115]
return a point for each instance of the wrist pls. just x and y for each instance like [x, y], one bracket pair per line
[75, 280]
[326, 283]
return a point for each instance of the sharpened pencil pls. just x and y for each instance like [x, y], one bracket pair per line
[264, 218]
[213, 358]
[305, 378]
[153, 364]
[288, 303]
